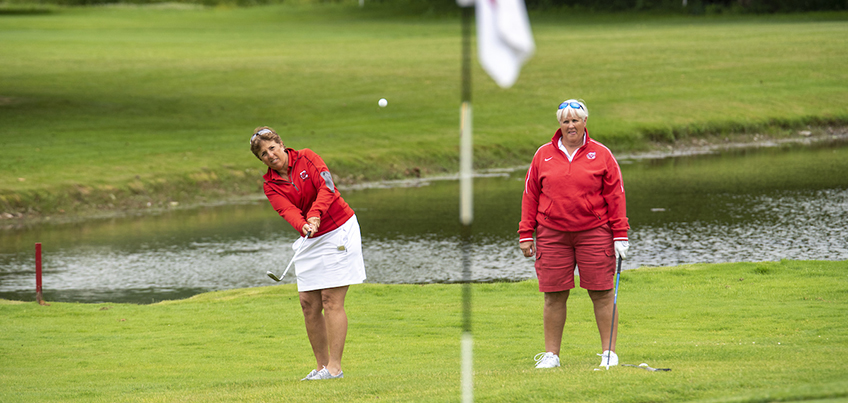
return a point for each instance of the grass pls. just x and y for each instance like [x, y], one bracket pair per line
[125, 107]
[738, 332]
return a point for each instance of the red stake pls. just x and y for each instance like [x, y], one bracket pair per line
[38, 296]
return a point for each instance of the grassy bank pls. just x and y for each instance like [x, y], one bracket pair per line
[128, 107]
[741, 332]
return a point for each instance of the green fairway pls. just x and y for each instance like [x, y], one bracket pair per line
[117, 107]
[741, 332]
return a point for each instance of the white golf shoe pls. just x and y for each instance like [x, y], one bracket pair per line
[325, 374]
[546, 360]
[311, 375]
[609, 359]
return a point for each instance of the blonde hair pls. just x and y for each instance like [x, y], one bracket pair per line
[260, 134]
[582, 113]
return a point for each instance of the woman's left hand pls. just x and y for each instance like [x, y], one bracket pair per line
[314, 222]
[621, 249]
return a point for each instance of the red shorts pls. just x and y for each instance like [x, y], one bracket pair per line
[559, 253]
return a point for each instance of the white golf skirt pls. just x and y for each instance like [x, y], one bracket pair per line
[330, 260]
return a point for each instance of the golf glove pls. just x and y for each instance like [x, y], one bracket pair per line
[621, 249]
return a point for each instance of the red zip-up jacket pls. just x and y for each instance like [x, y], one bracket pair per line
[307, 192]
[576, 195]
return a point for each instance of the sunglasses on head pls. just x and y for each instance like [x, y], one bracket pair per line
[572, 104]
[263, 131]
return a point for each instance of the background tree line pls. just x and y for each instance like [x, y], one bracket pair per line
[614, 6]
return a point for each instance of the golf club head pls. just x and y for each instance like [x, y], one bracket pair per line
[274, 277]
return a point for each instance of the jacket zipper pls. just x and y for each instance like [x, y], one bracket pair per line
[292, 183]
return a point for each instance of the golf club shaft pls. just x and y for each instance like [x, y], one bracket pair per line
[614, 303]
[296, 253]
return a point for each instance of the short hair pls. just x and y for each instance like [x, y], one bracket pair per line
[260, 134]
[563, 108]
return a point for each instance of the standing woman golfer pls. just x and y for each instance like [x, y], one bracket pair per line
[300, 188]
[574, 201]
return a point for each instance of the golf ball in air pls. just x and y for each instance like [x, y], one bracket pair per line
[382, 102]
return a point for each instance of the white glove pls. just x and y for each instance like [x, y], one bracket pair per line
[621, 249]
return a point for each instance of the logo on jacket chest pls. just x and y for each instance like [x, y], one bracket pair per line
[303, 174]
[591, 155]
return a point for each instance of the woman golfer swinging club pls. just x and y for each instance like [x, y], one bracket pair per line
[300, 188]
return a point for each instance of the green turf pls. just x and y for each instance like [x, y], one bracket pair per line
[111, 107]
[738, 332]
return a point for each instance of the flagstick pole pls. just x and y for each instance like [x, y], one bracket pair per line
[466, 206]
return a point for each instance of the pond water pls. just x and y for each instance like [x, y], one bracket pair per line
[765, 204]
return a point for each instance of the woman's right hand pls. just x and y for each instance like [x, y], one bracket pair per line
[528, 248]
[306, 230]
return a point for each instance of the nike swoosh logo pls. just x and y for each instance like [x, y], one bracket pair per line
[549, 158]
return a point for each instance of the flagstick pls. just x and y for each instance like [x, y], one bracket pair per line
[466, 207]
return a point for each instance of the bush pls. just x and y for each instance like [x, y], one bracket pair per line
[139, 2]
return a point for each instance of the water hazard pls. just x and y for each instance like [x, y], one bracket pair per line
[744, 205]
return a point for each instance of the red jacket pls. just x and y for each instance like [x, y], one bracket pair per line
[579, 195]
[307, 192]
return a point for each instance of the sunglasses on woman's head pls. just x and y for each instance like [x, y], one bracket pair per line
[572, 104]
[263, 131]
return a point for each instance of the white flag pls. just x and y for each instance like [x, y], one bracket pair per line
[504, 40]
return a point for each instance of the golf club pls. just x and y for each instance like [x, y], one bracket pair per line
[646, 367]
[614, 302]
[297, 252]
